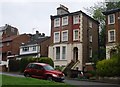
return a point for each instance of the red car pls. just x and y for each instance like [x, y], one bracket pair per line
[43, 71]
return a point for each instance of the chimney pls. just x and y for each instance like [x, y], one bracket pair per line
[62, 10]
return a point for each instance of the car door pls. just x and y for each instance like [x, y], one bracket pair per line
[33, 70]
[39, 71]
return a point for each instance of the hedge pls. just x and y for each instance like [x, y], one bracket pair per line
[25, 61]
[108, 67]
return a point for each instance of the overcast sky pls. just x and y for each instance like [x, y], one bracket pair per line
[31, 15]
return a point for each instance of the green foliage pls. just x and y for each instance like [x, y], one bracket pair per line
[46, 60]
[60, 68]
[14, 65]
[108, 67]
[25, 61]
[112, 5]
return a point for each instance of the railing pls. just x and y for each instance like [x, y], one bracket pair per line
[75, 64]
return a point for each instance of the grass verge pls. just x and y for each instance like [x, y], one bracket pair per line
[10, 81]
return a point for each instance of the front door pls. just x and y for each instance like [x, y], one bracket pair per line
[75, 54]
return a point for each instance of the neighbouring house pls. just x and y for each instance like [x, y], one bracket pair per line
[6, 31]
[36, 47]
[74, 39]
[112, 30]
[10, 46]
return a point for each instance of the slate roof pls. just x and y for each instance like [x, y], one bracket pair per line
[9, 38]
[36, 41]
[111, 11]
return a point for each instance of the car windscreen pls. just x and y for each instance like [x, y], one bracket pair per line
[48, 67]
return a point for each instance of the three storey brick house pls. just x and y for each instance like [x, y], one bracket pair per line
[74, 38]
[112, 30]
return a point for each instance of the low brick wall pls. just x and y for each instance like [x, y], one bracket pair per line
[110, 79]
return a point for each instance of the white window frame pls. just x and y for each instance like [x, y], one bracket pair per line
[56, 22]
[75, 19]
[90, 24]
[113, 19]
[90, 52]
[56, 53]
[65, 53]
[63, 35]
[65, 20]
[90, 38]
[8, 43]
[56, 40]
[34, 48]
[23, 49]
[74, 39]
[109, 36]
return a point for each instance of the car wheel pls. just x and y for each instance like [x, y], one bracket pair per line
[49, 78]
[27, 75]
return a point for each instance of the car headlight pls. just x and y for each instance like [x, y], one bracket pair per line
[54, 75]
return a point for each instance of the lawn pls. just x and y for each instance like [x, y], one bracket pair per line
[10, 81]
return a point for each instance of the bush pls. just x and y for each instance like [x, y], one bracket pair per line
[46, 60]
[25, 61]
[108, 67]
[14, 65]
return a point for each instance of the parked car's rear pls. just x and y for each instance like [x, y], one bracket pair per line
[43, 71]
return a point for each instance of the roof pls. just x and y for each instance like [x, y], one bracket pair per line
[9, 38]
[43, 64]
[36, 41]
[74, 13]
[111, 11]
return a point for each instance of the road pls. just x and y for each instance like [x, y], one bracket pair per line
[90, 84]
[75, 82]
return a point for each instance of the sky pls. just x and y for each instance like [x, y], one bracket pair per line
[31, 15]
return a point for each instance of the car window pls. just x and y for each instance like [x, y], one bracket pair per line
[38, 67]
[48, 67]
[31, 66]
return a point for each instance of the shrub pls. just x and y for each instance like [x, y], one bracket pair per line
[46, 60]
[108, 67]
[25, 61]
[14, 65]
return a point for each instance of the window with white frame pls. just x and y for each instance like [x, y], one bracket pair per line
[90, 24]
[56, 22]
[1, 44]
[90, 52]
[56, 37]
[65, 20]
[8, 43]
[57, 53]
[63, 52]
[111, 19]
[65, 35]
[34, 48]
[25, 49]
[75, 34]
[90, 38]
[111, 35]
[75, 19]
